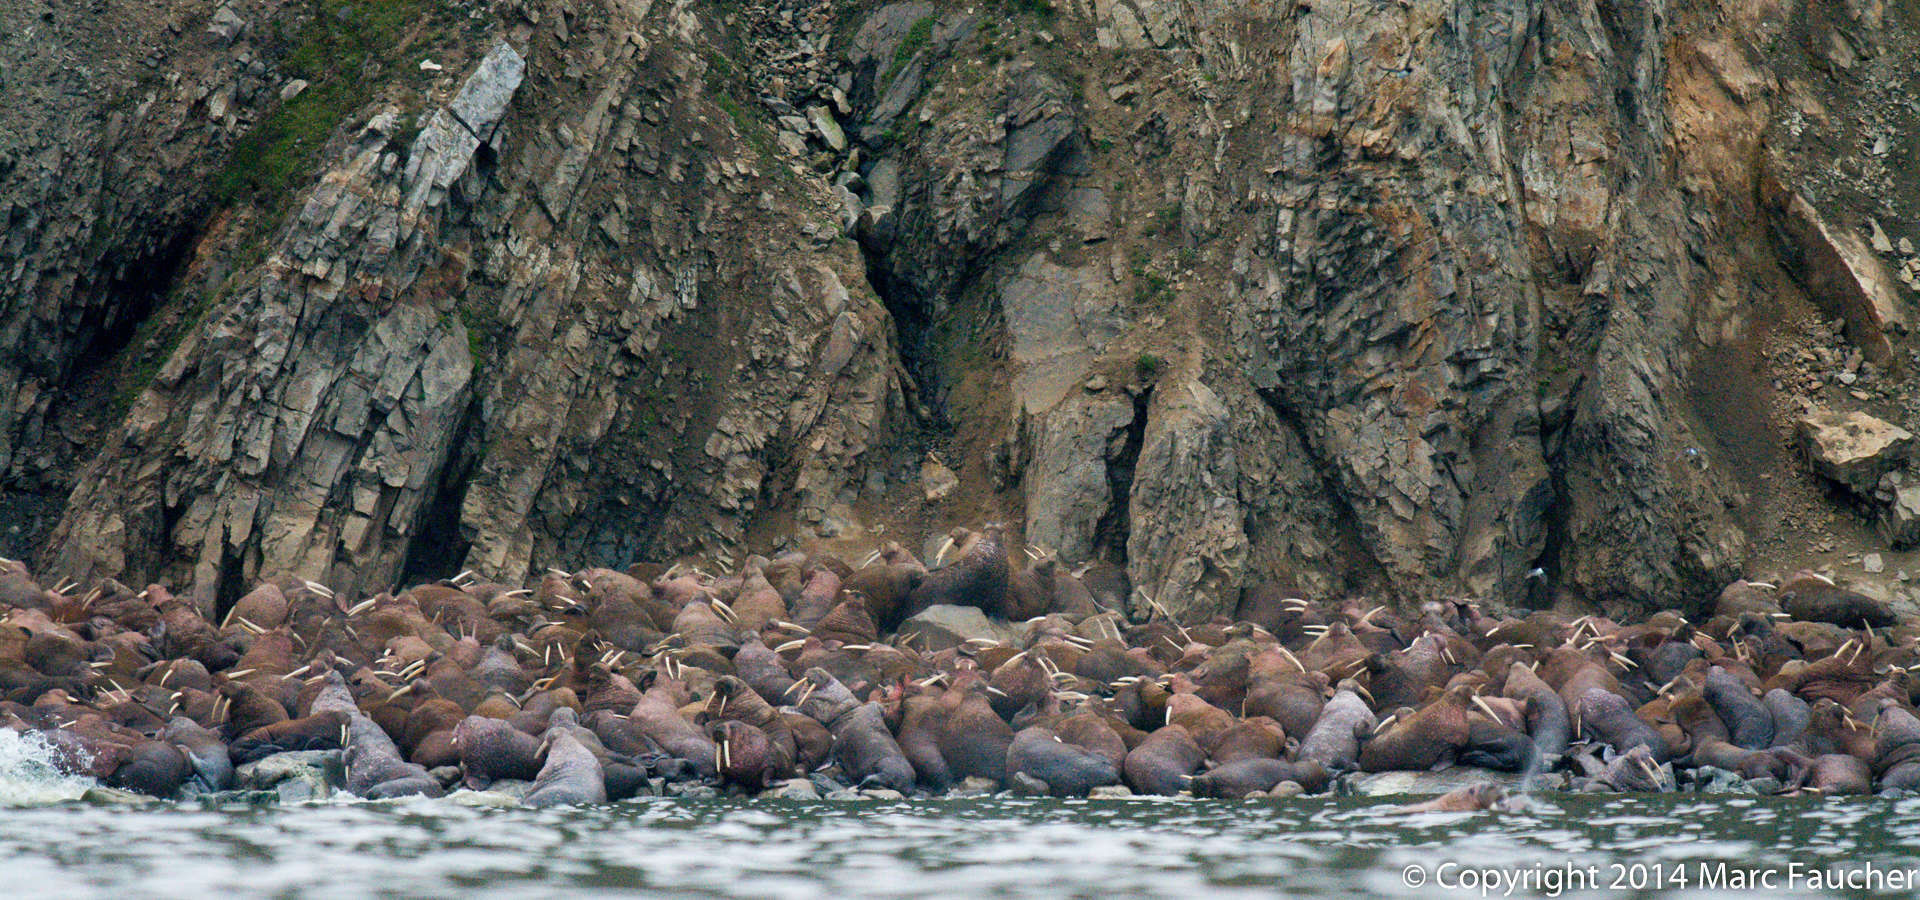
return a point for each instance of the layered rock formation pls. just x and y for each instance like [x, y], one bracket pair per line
[1517, 300]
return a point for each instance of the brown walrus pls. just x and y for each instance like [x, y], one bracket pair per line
[1472, 798]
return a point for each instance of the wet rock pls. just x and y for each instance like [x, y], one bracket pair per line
[1388, 783]
[793, 789]
[691, 790]
[488, 799]
[1110, 792]
[293, 777]
[882, 794]
[111, 796]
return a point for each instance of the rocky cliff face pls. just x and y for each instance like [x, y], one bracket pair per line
[1517, 300]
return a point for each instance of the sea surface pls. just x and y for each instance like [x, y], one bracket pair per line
[54, 844]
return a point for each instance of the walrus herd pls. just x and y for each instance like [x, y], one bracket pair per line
[599, 684]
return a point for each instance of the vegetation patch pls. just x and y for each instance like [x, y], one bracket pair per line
[917, 38]
[340, 50]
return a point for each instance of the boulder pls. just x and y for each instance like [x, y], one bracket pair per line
[1380, 784]
[1839, 271]
[943, 626]
[295, 776]
[1853, 448]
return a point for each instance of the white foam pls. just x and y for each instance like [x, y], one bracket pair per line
[30, 777]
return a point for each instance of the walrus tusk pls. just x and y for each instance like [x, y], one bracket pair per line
[1382, 725]
[790, 688]
[1488, 709]
[789, 626]
[791, 645]
[361, 607]
[318, 588]
[238, 673]
[1292, 659]
[941, 554]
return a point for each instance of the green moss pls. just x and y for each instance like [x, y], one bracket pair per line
[339, 51]
[1040, 9]
[1148, 366]
[485, 330]
[1166, 218]
[917, 38]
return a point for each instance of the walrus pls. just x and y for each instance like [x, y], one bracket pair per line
[1472, 798]
[1251, 776]
[1815, 598]
[570, 775]
[1066, 770]
[1834, 773]
[762, 670]
[1295, 700]
[491, 750]
[1427, 739]
[973, 739]
[978, 579]
[887, 584]
[1606, 717]
[1896, 758]
[154, 768]
[1334, 741]
[1749, 722]
[1164, 762]
[212, 764]
[326, 730]
[1791, 716]
[744, 755]
[662, 723]
[862, 743]
[374, 767]
[919, 739]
